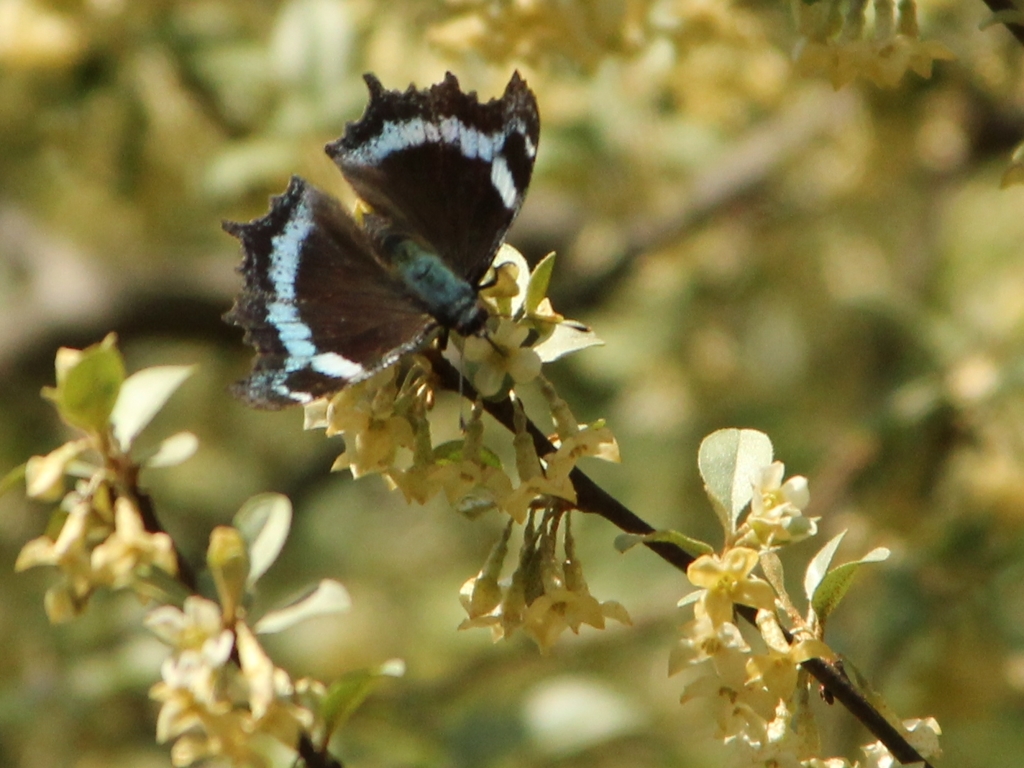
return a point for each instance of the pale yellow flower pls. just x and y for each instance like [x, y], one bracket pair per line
[776, 510]
[373, 449]
[777, 671]
[501, 354]
[727, 580]
[481, 481]
[566, 602]
[884, 62]
[219, 687]
[588, 441]
[701, 640]
[131, 549]
[420, 483]
[518, 502]
[480, 596]
[197, 625]
[70, 553]
[270, 692]
[739, 712]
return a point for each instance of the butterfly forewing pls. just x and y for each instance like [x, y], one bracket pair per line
[440, 166]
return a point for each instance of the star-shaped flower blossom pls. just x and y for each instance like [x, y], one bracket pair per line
[131, 549]
[740, 713]
[501, 354]
[270, 691]
[701, 640]
[776, 510]
[727, 580]
[70, 553]
[777, 670]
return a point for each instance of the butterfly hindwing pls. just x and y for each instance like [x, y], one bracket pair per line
[319, 308]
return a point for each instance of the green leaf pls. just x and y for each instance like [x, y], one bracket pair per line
[328, 596]
[451, 453]
[540, 278]
[818, 567]
[142, 396]
[88, 386]
[626, 541]
[729, 461]
[694, 547]
[263, 521]
[345, 695]
[836, 583]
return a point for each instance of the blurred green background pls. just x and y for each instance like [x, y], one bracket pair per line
[839, 269]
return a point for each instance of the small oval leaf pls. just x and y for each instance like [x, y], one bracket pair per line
[345, 695]
[837, 582]
[693, 547]
[328, 596]
[264, 522]
[540, 278]
[142, 396]
[89, 388]
[729, 460]
[818, 567]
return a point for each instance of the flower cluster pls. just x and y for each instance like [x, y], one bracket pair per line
[98, 537]
[221, 695]
[544, 596]
[220, 690]
[387, 431]
[833, 44]
[776, 510]
[759, 696]
[99, 545]
[533, 30]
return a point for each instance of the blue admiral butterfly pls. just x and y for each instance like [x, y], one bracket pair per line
[328, 301]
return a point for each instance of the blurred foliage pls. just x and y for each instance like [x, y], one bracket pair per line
[838, 269]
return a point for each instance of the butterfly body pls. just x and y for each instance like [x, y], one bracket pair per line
[452, 301]
[328, 301]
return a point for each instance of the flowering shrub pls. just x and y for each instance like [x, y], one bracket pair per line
[222, 696]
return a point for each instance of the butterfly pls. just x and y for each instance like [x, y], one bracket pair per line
[327, 300]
